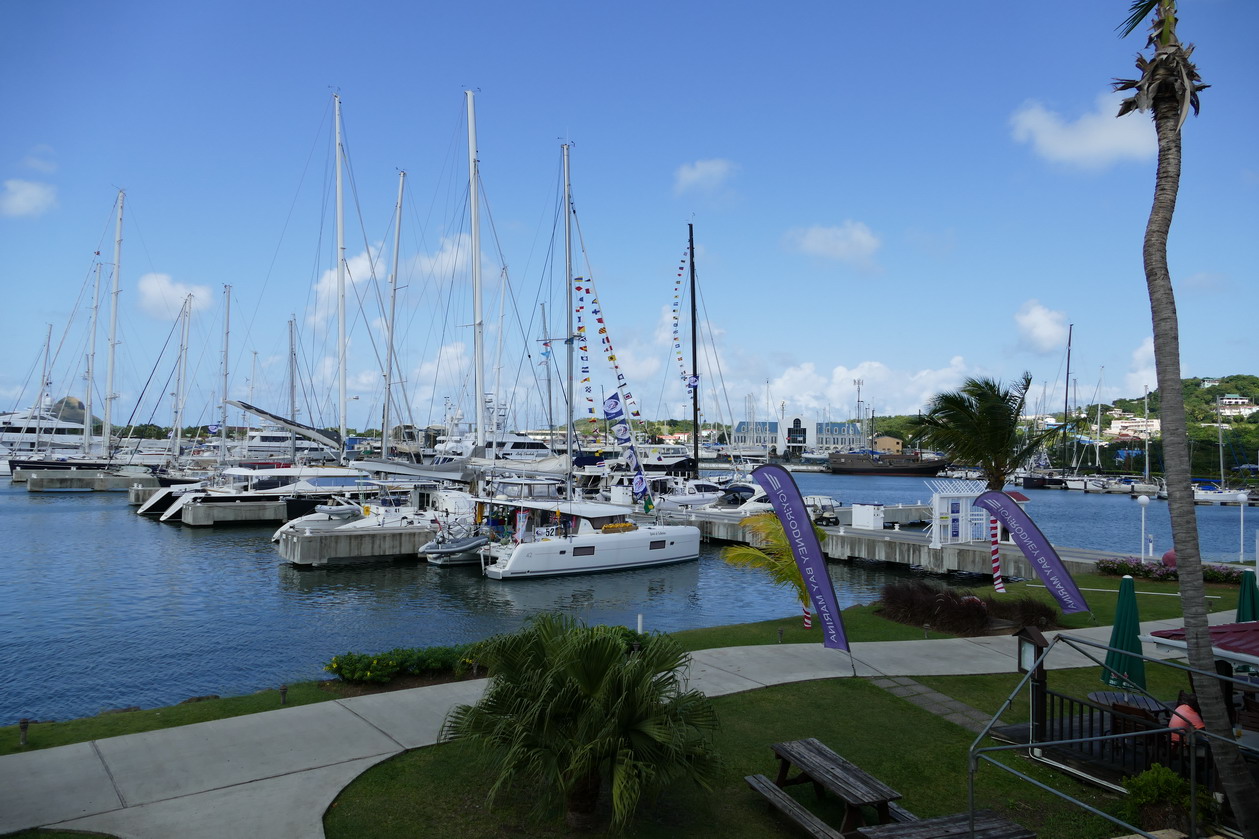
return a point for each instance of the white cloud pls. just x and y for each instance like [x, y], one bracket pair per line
[358, 269]
[1093, 141]
[703, 175]
[26, 198]
[1141, 372]
[162, 298]
[1041, 330]
[851, 242]
[41, 159]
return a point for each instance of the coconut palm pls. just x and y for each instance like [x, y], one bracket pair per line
[1167, 89]
[769, 550]
[982, 425]
[569, 707]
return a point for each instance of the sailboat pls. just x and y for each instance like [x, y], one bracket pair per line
[543, 538]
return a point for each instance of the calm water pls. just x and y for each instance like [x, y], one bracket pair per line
[100, 608]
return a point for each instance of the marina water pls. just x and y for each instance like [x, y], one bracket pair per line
[104, 609]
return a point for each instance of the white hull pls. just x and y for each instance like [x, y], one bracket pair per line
[588, 553]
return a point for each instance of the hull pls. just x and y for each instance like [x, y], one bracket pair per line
[850, 463]
[592, 553]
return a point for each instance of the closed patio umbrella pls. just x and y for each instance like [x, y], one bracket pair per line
[1248, 600]
[1124, 666]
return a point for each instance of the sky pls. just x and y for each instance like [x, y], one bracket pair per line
[904, 195]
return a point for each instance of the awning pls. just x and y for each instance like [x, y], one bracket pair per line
[1232, 641]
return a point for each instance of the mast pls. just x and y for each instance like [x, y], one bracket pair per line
[478, 324]
[1066, 398]
[91, 363]
[690, 247]
[292, 387]
[107, 430]
[227, 327]
[181, 379]
[1219, 433]
[43, 385]
[550, 405]
[568, 287]
[341, 397]
[393, 299]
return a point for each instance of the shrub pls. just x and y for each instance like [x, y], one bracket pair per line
[1157, 571]
[1159, 798]
[383, 667]
[960, 611]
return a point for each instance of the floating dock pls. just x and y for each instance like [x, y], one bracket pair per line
[81, 480]
[311, 548]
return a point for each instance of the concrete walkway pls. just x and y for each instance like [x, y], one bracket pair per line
[275, 773]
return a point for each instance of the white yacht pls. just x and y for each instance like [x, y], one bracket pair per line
[550, 538]
[499, 445]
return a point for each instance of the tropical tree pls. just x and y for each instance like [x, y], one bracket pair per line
[569, 707]
[981, 425]
[769, 550]
[1167, 89]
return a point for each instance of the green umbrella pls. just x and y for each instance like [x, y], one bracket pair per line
[1248, 600]
[1124, 666]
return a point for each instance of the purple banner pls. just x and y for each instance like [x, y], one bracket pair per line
[1040, 554]
[794, 515]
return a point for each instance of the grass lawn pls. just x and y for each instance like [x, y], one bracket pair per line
[441, 790]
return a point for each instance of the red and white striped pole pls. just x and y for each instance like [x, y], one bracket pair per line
[808, 618]
[997, 582]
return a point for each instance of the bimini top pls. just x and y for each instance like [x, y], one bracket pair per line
[1233, 641]
[581, 509]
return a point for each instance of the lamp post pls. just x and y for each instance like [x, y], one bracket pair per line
[1243, 499]
[1143, 501]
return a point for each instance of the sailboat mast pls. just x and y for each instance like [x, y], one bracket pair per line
[181, 381]
[690, 247]
[1146, 407]
[568, 335]
[1066, 398]
[478, 323]
[227, 330]
[393, 300]
[107, 430]
[292, 386]
[341, 397]
[91, 363]
[43, 386]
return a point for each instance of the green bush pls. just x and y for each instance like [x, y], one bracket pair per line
[413, 661]
[1159, 798]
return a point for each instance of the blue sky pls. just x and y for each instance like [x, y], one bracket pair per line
[905, 194]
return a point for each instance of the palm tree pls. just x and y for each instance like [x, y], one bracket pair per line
[569, 707]
[1168, 88]
[772, 553]
[982, 425]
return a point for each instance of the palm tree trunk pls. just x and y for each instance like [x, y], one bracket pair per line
[581, 802]
[1238, 784]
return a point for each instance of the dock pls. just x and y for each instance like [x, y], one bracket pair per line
[898, 544]
[81, 480]
[311, 548]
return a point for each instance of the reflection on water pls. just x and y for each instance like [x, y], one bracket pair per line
[101, 608]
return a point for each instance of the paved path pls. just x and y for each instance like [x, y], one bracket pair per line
[275, 773]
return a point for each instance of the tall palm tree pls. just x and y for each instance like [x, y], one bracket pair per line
[982, 425]
[570, 707]
[1168, 88]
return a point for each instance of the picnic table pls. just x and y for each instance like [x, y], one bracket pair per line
[827, 771]
[988, 825]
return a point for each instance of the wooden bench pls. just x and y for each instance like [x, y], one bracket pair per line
[828, 772]
[988, 825]
[792, 809]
